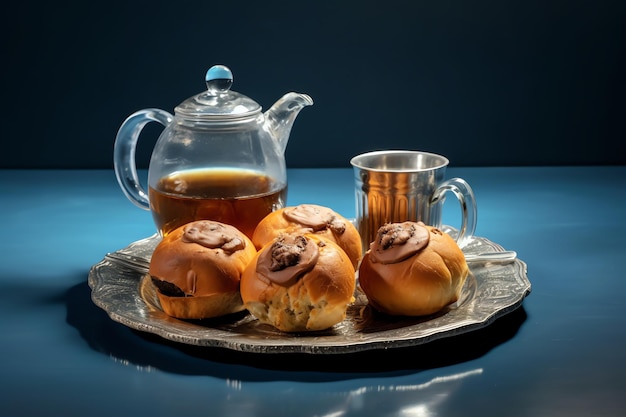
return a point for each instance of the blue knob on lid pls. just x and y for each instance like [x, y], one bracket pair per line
[218, 79]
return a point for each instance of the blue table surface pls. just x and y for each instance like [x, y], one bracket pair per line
[563, 353]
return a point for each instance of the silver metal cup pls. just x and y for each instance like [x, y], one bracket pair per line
[395, 186]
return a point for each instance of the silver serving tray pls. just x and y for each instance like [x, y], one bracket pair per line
[120, 285]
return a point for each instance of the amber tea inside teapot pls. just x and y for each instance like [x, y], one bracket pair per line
[219, 157]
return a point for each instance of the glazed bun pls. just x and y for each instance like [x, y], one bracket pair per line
[197, 268]
[310, 218]
[299, 283]
[412, 270]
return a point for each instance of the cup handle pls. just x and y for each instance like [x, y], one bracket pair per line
[124, 153]
[463, 192]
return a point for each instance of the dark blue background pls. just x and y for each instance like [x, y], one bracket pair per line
[483, 82]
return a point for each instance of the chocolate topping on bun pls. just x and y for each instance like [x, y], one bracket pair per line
[397, 241]
[287, 259]
[197, 268]
[310, 218]
[298, 283]
[316, 217]
[412, 269]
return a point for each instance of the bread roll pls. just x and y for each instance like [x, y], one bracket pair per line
[197, 268]
[310, 218]
[299, 283]
[412, 270]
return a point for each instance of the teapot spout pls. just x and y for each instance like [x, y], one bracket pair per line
[280, 117]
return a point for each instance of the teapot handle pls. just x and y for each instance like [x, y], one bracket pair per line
[124, 153]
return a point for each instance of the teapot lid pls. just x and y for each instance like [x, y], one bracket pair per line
[218, 103]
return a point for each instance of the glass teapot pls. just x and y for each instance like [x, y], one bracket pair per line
[219, 157]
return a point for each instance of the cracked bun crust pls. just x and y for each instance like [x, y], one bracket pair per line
[298, 283]
[412, 270]
[197, 268]
[310, 218]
